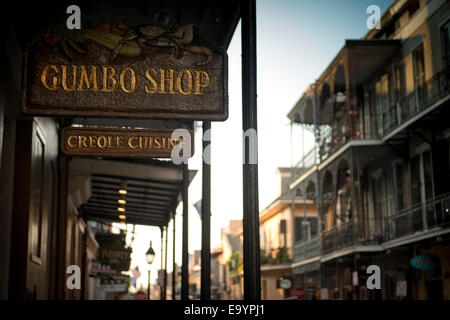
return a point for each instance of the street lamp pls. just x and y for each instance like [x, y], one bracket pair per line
[149, 255]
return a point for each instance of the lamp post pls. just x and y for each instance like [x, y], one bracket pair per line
[149, 255]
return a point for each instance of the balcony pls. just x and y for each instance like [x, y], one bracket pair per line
[413, 104]
[338, 237]
[308, 161]
[416, 220]
[307, 249]
[278, 256]
[422, 217]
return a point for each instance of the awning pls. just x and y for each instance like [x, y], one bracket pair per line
[153, 189]
[365, 57]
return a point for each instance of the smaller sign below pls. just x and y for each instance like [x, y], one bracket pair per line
[299, 293]
[113, 284]
[157, 143]
[324, 294]
[401, 289]
[355, 278]
[425, 262]
[95, 267]
[286, 283]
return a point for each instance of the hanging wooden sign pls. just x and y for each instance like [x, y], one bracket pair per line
[116, 70]
[122, 142]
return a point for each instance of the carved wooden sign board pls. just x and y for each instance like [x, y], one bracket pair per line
[122, 142]
[115, 70]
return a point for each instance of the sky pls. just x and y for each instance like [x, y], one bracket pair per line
[296, 41]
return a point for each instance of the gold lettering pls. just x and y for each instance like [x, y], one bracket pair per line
[150, 142]
[141, 145]
[170, 143]
[130, 141]
[72, 145]
[82, 142]
[199, 83]
[119, 141]
[107, 77]
[152, 80]
[164, 79]
[102, 144]
[133, 80]
[92, 141]
[64, 78]
[157, 141]
[88, 80]
[180, 81]
[54, 85]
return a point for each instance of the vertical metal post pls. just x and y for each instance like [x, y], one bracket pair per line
[161, 293]
[148, 285]
[205, 293]
[252, 273]
[165, 264]
[174, 265]
[185, 251]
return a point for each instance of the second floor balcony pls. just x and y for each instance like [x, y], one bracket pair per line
[432, 93]
[415, 221]
[306, 249]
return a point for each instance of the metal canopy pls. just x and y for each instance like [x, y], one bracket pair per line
[153, 189]
[365, 57]
[215, 19]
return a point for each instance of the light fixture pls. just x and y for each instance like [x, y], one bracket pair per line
[122, 216]
[121, 209]
[123, 187]
[150, 254]
[122, 201]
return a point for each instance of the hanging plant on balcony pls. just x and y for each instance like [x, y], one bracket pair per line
[282, 256]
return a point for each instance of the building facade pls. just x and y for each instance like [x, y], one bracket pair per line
[379, 172]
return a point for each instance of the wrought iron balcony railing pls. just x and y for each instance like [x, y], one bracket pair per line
[306, 249]
[420, 99]
[432, 214]
[339, 237]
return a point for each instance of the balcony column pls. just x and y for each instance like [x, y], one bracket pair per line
[252, 273]
[185, 247]
[206, 217]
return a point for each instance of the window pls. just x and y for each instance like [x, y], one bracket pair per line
[445, 36]
[367, 118]
[415, 180]
[298, 229]
[399, 81]
[419, 75]
[305, 228]
[398, 178]
[313, 226]
[382, 103]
